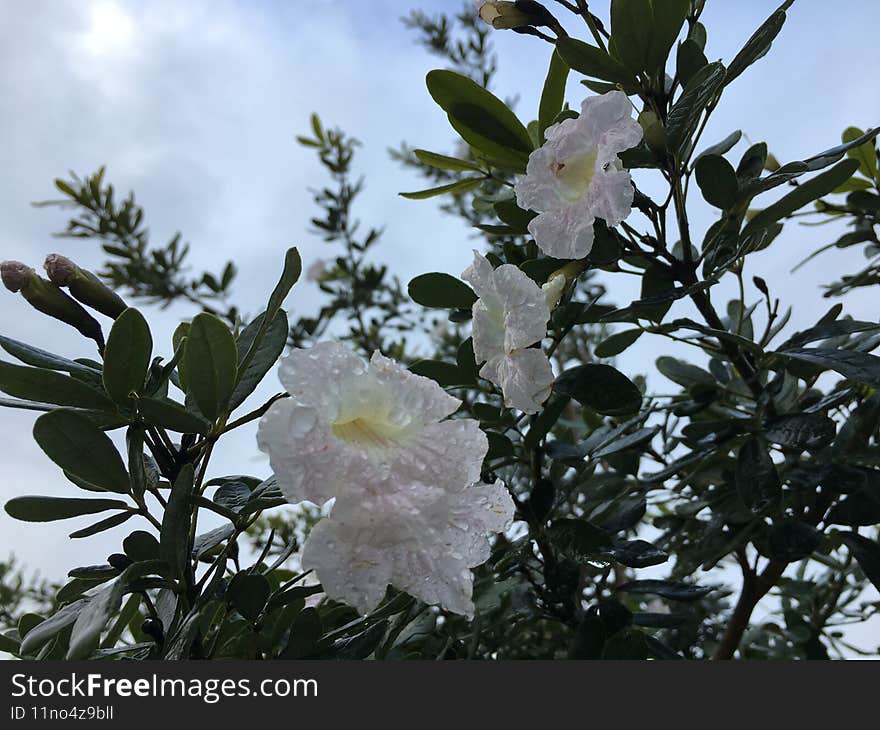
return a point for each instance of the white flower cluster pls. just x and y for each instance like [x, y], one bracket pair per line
[377, 440]
[576, 176]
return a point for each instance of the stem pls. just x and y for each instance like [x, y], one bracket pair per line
[755, 587]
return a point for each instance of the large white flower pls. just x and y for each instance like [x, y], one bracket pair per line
[576, 176]
[423, 540]
[351, 427]
[510, 315]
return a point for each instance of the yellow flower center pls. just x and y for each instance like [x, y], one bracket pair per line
[576, 173]
[368, 432]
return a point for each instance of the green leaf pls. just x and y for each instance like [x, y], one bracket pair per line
[445, 374]
[127, 356]
[49, 509]
[51, 627]
[264, 357]
[42, 359]
[617, 343]
[756, 46]
[211, 364]
[689, 60]
[178, 339]
[631, 32]
[668, 17]
[666, 589]
[168, 414]
[141, 546]
[79, 447]
[637, 553]
[686, 113]
[47, 386]
[553, 94]
[792, 540]
[102, 525]
[856, 366]
[867, 554]
[92, 619]
[756, 478]
[441, 291]
[722, 147]
[592, 61]
[482, 119]
[864, 153]
[803, 194]
[289, 276]
[174, 535]
[804, 431]
[442, 162]
[717, 180]
[578, 540]
[600, 387]
[683, 373]
[456, 188]
[248, 592]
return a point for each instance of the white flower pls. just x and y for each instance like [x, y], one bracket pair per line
[510, 315]
[352, 427]
[317, 270]
[576, 176]
[423, 540]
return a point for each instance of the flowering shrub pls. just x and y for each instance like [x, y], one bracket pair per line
[514, 494]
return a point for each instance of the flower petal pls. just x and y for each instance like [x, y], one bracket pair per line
[525, 377]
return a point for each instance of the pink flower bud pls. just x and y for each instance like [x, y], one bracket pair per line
[59, 268]
[15, 274]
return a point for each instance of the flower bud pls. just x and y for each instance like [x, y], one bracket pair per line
[14, 274]
[508, 15]
[84, 286]
[553, 289]
[47, 298]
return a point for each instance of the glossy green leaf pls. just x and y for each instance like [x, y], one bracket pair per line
[666, 589]
[668, 17]
[805, 193]
[864, 153]
[47, 386]
[867, 554]
[73, 442]
[456, 188]
[553, 94]
[49, 509]
[717, 180]
[860, 367]
[92, 620]
[443, 162]
[141, 546]
[690, 59]
[809, 431]
[685, 115]
[592, 61]
[757, 481]
[482, 119]
[577, 539]
[441, 291]
[758, 45]
[264, 357]
[41, 359]
[631, 32]
[106, 524]
[248, 592]
[791, 540]
[127, 356]
[600, 387]
[174, 535]
[617, 343]
[51, 627]
[211, 364]
[445, 374]
[170, 415]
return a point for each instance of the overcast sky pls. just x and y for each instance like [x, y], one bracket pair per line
[194, 105]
